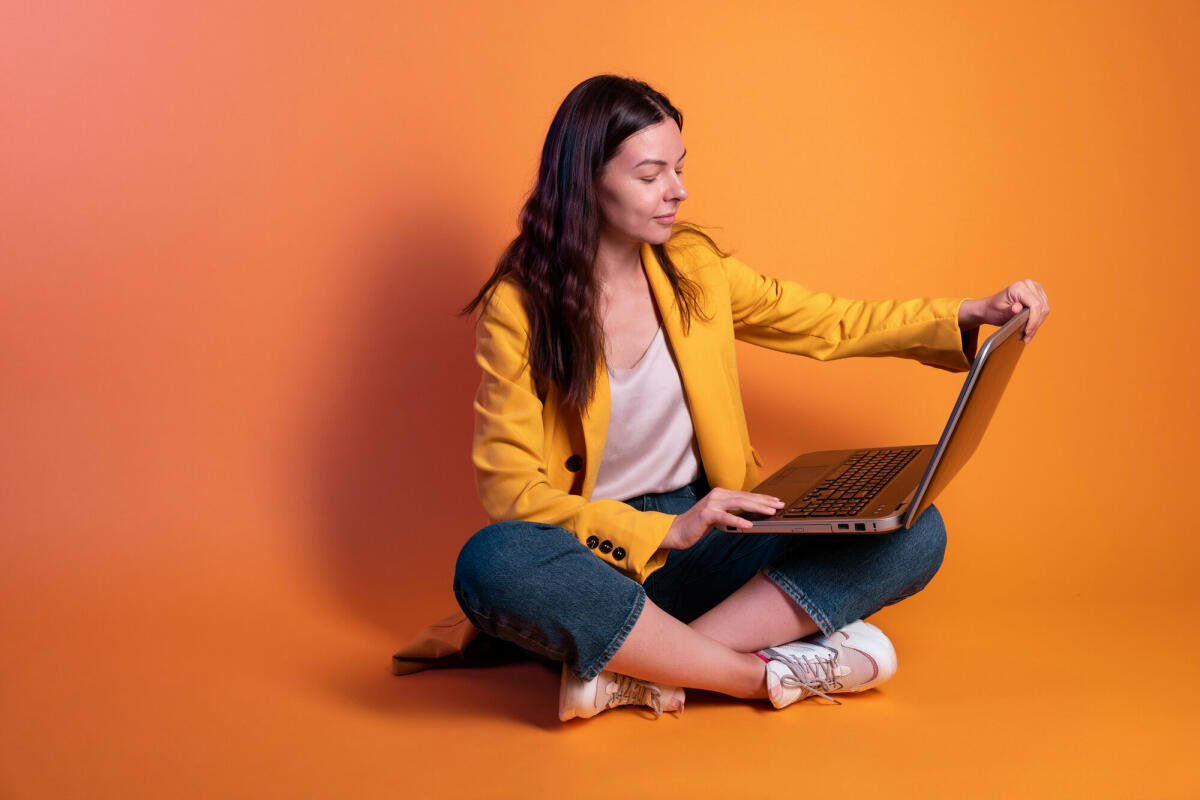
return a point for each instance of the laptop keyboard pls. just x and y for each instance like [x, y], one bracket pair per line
[867, 472]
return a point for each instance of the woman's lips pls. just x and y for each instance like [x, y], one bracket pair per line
[667, 220]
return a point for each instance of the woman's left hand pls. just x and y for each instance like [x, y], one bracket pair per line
[1004, 305]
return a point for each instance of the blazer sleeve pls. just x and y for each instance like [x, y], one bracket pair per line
[510, 462]
[783, 315]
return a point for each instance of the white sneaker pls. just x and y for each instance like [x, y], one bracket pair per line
[851, 659]
[580, 698]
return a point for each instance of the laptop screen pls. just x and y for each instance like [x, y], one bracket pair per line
[989, 374]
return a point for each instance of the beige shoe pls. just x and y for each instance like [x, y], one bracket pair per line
[580, 698]
[851, 659]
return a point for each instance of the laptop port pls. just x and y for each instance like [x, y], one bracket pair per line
[860, 526]
[842, 526]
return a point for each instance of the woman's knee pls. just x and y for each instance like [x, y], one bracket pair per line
[539, 586]
[496, 565]
[925, 549]
[483, 562]
[931, 538]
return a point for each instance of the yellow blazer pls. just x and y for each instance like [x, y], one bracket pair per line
[537, 460]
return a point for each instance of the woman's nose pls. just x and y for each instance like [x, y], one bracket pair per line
[677, 189]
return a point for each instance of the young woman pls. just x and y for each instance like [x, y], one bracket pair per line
[610, 438]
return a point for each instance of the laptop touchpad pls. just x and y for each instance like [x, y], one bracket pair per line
[794, 479]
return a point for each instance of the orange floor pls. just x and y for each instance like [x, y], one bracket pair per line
[208, 682]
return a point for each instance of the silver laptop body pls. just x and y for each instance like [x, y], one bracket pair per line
[881, 489]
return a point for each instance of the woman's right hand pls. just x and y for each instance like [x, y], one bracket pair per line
[712, 510]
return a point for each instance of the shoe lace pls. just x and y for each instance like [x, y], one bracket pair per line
[626, 690]
[812, 672]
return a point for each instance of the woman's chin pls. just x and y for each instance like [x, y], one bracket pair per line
[660, 236]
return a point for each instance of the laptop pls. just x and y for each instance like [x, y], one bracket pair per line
[881, 489]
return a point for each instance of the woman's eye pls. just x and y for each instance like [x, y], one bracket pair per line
[646, 180]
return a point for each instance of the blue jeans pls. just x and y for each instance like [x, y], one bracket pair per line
[539, 587]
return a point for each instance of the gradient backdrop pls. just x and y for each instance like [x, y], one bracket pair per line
[235, 403]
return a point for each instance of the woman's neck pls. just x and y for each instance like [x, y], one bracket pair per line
[618, 264]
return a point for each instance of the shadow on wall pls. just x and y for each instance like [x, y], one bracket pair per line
[389, 468]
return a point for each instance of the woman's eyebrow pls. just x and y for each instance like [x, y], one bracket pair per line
[657, 161]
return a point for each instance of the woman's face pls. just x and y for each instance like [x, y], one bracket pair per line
[641, 186]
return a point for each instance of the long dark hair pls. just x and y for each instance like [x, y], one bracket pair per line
[553, 255]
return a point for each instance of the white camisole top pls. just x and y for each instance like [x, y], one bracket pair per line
[651, 445]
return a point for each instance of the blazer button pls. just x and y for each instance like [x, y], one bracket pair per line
[592, 541]
[575, 463]
[606, 547]
[619, 554]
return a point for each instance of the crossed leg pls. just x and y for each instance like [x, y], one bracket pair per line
[716, 651]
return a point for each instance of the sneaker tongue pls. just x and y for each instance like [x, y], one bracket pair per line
[848, 659]
[630, 691]
[812, 662]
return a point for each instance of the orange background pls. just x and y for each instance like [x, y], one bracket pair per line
[235, 413]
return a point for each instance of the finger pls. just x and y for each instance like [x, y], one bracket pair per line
[769, 508]
[733, 514]
[762, 503]
[738, 500]
[737, 522]
[1038, 310]
[1024, 296]
[768, 499]
[1036, 315]
[1025, 292]
[754, 496]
